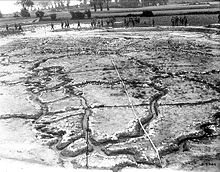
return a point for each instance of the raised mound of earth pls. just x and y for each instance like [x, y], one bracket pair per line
[80, 97]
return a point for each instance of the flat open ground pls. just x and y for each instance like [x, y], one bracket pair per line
[65, 95]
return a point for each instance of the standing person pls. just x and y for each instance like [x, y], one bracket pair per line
[181, 21]
[92, 23]
[113, 21]
[62, 24]
[16, 26]
[176, 21]
[102, 24]
[133, 22]
[107, 22]
[153, 22]
[68, 24]
[6, 27]
[98, 23]
[52, 26]
[89, 13]
[138, 20]
[19, 27]
[78, 25]
[129, 21]
[95, 20]
[173, 21]
[185, 21]
[125, 22]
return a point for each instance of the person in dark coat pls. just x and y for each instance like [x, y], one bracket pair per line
[181, 21]
[138, 20]
[68, 24]
[78, 25]
[7, 27]
[113, 21]
[107, 22]
[19, 27]
[125, 22]
[102, 24]
[16, 26]
[62, 24]
[153, 22]
[52, 26]
[89, 13]
[92, 23]
[185, 21]
[173, 21]
[176, 21]
[133, 22]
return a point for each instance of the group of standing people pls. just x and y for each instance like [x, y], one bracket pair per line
[16, 27]
[179, 21]
[131, 20]
[110, 21]
[65, 24]
[100, 22]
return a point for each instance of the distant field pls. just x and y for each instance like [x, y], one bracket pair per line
[206, 15]
[193, 20]
[163, 13]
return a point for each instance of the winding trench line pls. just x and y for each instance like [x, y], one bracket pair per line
[86, 130]
[19, 116]
[85, 127]
[202, 102]
[203, 133]
[154, 102]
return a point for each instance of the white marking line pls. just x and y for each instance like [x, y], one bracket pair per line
[132, 106]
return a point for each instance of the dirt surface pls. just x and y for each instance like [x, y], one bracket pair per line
[62, 102]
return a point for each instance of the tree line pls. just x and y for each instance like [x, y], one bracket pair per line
[61, 4]
[154, 2]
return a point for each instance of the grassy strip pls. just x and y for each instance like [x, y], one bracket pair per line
[162, 13]
[158, 8]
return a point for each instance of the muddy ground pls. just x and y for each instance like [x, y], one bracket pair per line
[62, 100]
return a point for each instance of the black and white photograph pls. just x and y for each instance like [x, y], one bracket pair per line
[109, 85]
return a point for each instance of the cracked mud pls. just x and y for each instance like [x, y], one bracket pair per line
[58, 90]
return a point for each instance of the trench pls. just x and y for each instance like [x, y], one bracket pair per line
[36, 88]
